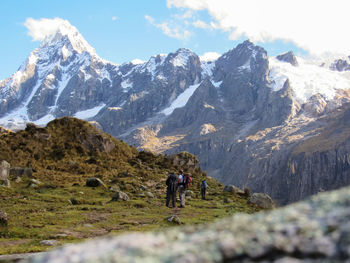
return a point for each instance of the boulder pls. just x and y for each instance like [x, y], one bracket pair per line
[175, 219]
[262, 200]
[232, 189]
[95, 182]
[50, 242]
[5, 172]
[21, 171]
[149, 194]
[120, 196]
[3, 218]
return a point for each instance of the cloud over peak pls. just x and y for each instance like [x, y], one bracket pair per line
[44, 27]
[317, 26]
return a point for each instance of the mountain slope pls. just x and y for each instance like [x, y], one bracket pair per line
[241, 114]
[54, 202]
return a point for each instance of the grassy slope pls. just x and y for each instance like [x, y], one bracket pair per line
[64, 154]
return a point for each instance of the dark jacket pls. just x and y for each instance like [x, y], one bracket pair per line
[171, 183]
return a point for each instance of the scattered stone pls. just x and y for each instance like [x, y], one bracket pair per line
[228, 200]
[189, 193]
[149, 194]
[142, 195]
[5, 173]
[50, 242]
[3, 218]
[316, 230]
[262, 200]
[34, 183]
[120, 196]
[73, 201]
[95, 182]
[174, 219]
[232, 189]
[143, 188]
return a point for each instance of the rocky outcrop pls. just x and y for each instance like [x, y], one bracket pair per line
[262, 200]
[120, 196]
[5, 173]
[95, 182]
[288, 57]
[340, 65]
[19, 172]
[316, 230]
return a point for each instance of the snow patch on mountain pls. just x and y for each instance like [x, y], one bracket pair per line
[137, 61]
[126, 85]
[181, 100]
[152, 64]
[86, 114]
[181, 58]
[65, 29]
[207, 69]
[307, 79]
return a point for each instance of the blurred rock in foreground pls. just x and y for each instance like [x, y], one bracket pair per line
[316, 230]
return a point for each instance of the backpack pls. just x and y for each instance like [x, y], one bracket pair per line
[171, 183]
[204, 184]
[187, 180]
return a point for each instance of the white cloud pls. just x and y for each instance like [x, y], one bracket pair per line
[39, 29]
[200, 24]
[114, 18]
[172, 30]
[209, 56]
[315, 25]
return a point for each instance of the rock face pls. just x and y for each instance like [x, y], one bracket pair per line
[288, 57]
[316, 230]
[5, 172]
[340, 65]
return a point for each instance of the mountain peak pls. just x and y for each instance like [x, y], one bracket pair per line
[66, 32]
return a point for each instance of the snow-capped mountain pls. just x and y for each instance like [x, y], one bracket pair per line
[244, 114]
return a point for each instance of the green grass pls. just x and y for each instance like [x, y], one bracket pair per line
[46, 213]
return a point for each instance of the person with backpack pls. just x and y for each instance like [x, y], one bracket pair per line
[184, 182]
[171, 183]
[204, 187]
[181, 185]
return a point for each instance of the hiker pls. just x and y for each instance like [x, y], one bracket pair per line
[171, 189]
[204, 187]
[182, 188]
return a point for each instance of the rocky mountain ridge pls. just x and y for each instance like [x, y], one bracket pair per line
[242, 114]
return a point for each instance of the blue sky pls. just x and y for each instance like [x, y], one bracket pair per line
[121, 31]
